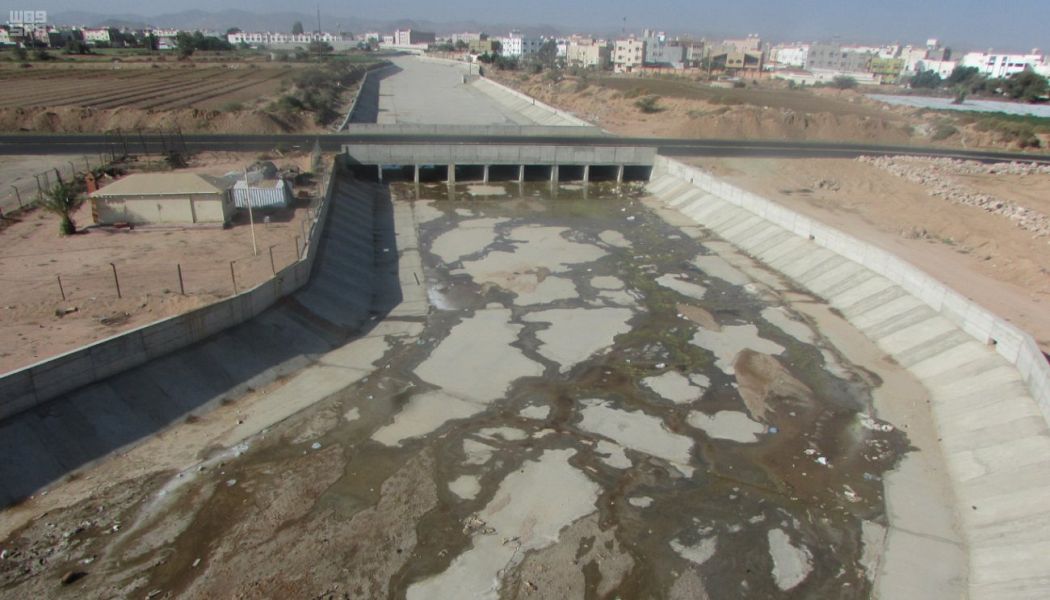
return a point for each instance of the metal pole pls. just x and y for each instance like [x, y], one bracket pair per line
[116, 280]
[251, 218]
[273, 267]
[233, 278]
[182, 286]
[61, 290]
[18, 196]
[39, 190]
[298, 253]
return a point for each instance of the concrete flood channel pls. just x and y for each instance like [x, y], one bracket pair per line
[597, 405]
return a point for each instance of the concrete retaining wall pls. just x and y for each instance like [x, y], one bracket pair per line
[366, 81]
[986, 383]
[45, 380]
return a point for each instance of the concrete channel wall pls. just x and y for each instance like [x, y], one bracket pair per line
[544, 114]
[48, 379]
[369, 85]
[987, 382]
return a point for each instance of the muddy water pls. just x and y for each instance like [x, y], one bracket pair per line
[521, 447]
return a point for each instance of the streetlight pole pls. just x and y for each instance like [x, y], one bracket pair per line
[251, 217]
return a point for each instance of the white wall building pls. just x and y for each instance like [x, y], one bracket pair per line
[628, 55]
[943, 68]
[94, 35]
[270, 38]
[517, 45]
[786, 56]
[1001, 65]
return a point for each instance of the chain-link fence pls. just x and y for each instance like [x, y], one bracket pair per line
[22, 192]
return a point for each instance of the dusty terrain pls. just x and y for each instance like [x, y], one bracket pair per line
[983, 255]
[33, 256]
[210, 95]
[763, 110]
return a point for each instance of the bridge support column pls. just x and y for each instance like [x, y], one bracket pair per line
[485, 174]
[379, 173]
[415, 174]
[554, 174]
[452, 174]
[586, 174]
[619, 173]
[521, 173]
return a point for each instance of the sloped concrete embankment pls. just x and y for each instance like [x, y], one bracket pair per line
[353, 285]
[538, 112]
[989, 385]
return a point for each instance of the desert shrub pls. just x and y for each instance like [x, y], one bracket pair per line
[648, 104]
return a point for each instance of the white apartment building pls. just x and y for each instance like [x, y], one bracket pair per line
[94, 35]
[787, 56]
[466, 37]
[270, 38]
[517, 45]
[943, 68]
[1001, 65]
[628, 55]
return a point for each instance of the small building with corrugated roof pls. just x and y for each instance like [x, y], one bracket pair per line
[168, 198]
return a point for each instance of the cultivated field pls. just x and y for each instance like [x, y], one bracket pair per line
[161, 88]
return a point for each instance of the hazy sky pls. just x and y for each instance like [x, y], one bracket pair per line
[1006, 24]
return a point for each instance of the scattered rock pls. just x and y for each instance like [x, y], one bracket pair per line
[72, 577]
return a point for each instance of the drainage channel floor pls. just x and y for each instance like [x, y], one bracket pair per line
[597, 405]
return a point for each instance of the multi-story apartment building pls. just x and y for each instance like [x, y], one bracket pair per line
[270, 38]
[789, 56]
[95, 35]
[628, 55]
[835, 57]
[412, 37]
[995, 64]
[517, 45]
[466, 37]
[588, 53]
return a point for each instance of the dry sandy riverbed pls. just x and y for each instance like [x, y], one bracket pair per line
[597, 404]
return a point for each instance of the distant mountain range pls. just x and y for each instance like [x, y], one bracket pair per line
[282, 21]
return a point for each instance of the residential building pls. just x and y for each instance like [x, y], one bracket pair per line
[588, 53]
[995, 64]
[888, 69]
[466, 38]
[628, 55]
[96, 35]
[517, 45]
[660, 52]
[835, 57]
[270, 38]
[411, 37]
[142, 198]
[735, 55]
[789, 56]
[943, 68]
[482, 46]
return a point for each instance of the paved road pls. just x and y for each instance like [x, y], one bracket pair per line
[36, 144]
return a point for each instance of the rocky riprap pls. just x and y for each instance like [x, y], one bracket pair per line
[935, 174]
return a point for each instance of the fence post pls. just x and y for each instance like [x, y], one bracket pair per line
[233, 278]
[298, 252]
[61, 290]
[116, 280]
[182, 287]
[273, 267]
[39, 190]
[18, 196]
